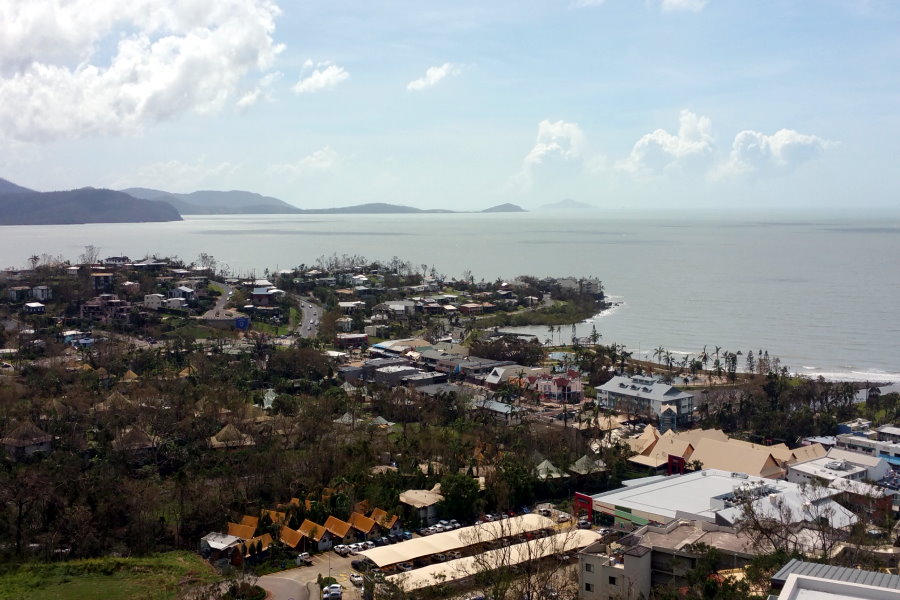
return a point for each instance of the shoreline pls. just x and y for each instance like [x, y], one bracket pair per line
[852, 374]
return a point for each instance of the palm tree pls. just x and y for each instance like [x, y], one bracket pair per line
[704, 357]
[659, 354]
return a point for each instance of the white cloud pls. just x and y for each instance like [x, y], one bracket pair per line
[660, 149]
[169, 57]
[432, 76]
[259, 92]
[559, 140]
[585, 3]
[753, 152]
[178, 176]
[691, 5]
[324, 77]
[322, 160]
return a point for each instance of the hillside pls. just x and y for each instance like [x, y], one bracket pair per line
[84, 205]
[211, 202]
[8, 187]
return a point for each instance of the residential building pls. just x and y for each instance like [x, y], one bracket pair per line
[175, 303]
[182, 291]
[42, 293]
[641, 394]
[102, 281]
[351, 340]
[18, 293]
[25, 440]
[34, 308]
[154, 301]
[424, 503]
[105, 308]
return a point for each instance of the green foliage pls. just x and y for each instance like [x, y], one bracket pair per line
[461, 496]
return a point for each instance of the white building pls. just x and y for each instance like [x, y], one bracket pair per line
[154, 301]
[840, 464]
[642, 394]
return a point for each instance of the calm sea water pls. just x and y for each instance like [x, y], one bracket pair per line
[823, 295]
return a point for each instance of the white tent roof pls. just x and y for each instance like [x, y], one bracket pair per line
[456, 539]
[512, 555]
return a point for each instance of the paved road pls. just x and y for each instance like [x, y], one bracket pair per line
[218, 310]
[281, 587]
[311, 315]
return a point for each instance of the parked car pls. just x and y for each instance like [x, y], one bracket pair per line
[362, 565]
[369, 544]
[355, 548]
[439, 557]
[454, 524]
[545, 512]
[407, 535]
[341, 550]
[406, 566]
[563, 517]
[584, 524]
[304, 559]
[333, 592]
[356, 579]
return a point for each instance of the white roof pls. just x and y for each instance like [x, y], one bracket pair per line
[855, 458]
[453, 540]
[420, 498]
[512, 555]
[220, 541]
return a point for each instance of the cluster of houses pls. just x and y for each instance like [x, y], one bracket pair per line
[254, 535]
[417, 363]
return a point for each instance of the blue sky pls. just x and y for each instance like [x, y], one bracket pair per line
[623, 104]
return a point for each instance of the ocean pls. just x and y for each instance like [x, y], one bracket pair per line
[822, 294]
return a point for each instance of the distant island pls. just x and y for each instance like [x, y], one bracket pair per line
[504, 208]
[21, 206]
[567, 204]
[211, 202]
[24, 206]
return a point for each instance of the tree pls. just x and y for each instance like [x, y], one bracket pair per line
[461, 496]
[90, 256]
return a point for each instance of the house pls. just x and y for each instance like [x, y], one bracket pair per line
[387, 522]
[183, 292]
[644, 395]
[364, 526]
[245, 532]
[26, 440]
[266, 296]
[351, 340]
[566, 388]
[221, 547]
[41, 293]
[290, 537]
[230, 437]
[175, 303]
[338, 529]
[102, 281]
[154, 301]
[105, 308]
[316, 535]
[34, 308]
[344, 324]
[423, 503]
[18, 293]
[352, 306]
[116, 261]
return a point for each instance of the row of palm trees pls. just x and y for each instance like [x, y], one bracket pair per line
[722, 361]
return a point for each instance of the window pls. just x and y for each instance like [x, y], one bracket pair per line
[612, 580]
[589, 587]
[588, 567]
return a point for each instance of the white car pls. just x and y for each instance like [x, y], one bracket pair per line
[341, 550]
[563, 517]
[356, 579]
[354, 548]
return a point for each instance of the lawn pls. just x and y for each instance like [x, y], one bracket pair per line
[156, 577]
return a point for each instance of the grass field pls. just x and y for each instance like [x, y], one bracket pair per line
[157, 577]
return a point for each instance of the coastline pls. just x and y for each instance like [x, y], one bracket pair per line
[835, 373]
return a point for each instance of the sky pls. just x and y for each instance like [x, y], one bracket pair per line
[709, 105]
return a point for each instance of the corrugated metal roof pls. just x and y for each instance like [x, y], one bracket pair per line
[799, 567]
